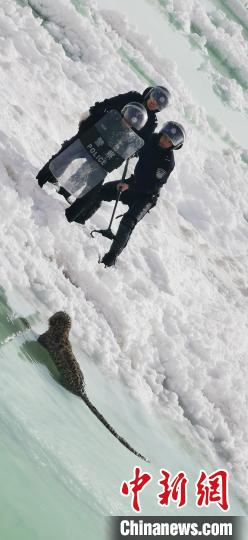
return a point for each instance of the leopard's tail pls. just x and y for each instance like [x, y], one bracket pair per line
[109, 427]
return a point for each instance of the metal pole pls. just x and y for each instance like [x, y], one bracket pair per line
[107, 232]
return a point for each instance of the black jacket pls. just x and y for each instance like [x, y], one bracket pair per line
[117, 103]
[152, 169]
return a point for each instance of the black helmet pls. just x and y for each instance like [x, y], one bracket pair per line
[161, 96]
[135, 114]
[175, 132]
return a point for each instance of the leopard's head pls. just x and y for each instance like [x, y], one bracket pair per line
[60, 321]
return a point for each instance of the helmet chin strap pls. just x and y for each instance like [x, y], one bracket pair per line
[177, 147]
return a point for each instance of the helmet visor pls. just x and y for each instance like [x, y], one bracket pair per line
[174, 132]
[135, 114]
[161, 96]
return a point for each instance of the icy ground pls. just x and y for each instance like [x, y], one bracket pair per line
[170, 321]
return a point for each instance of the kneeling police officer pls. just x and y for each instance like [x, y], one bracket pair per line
[140, 192]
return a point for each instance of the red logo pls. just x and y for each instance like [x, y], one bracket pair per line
[213, 489]
[175, 489]
[135, 486]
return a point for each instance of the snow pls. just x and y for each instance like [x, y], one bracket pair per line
[171, 319]
[220, 39]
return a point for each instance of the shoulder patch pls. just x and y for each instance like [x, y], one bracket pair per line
[160, 173]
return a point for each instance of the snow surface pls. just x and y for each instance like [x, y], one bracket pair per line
[171, 320]
[221, 38]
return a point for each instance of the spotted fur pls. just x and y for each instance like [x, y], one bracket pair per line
[56, 341]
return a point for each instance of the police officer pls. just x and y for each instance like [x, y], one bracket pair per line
[154, 99]
[140, 192]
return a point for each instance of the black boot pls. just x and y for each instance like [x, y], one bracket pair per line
[83, 208]
[120, 241]
[45, 175]
[109, 258]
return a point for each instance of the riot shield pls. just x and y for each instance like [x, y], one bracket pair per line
[76, 170]
[100, 150]
[111, 141]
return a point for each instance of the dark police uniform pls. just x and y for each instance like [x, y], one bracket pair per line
[151, 172]
[117, 103]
